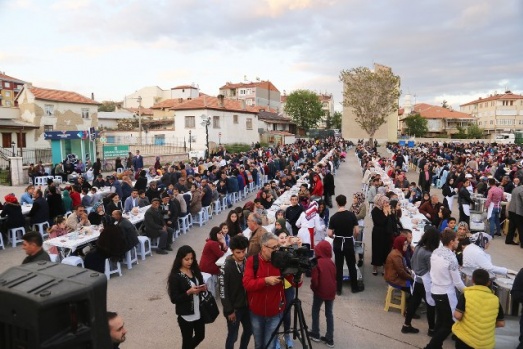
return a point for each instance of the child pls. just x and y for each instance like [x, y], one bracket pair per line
[477, 306]
[224, 228]
[323, 285]
[58, 229]
[452, 224]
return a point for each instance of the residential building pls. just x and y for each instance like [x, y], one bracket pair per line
[275, 128]
[497, 113]
[327, 105]
[388, 132]
[441, 122]
[260, 93]
[231, 121]
[9, 88]
[152, 95]
[54, 110]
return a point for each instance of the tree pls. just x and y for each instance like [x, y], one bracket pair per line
[445, 104]
[108, 106]
[336, 120]
[416, 125]
[304, 107]
[474, 131]
[461, 133]
[373, 95]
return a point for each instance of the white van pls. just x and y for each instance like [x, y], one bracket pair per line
[505, 138]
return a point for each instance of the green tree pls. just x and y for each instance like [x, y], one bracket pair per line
[474, 132]
[336, 120]
[373, 95]
[461, 133]
[304, 107]
[416, 125]
[445, 104]
[108, 106]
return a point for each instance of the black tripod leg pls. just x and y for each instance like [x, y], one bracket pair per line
[303, 326]
[275, 333]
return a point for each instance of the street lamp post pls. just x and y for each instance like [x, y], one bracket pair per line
[219, 138]
[190, 141]
[139, 99]
[206, 121]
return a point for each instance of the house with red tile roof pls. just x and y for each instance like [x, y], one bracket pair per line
[441, 122]
[229, 121]
[497, 113]
[9, 88]
[261, 93]
[57, 110]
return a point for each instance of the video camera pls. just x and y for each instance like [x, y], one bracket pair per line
[293, 260]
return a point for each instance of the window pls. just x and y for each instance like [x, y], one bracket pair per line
[159, 139]
[235, 119]
[491, 122]
[8, 93]
[215, 121]
[85, 113]
[511, 103]
[242, 92]
[7, 103]
[7, 84]
[20, 140]
[48, 128]
[189, 121]
[49, 109]
[248, 123]
[6, 140]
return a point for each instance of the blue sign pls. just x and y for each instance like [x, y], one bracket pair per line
[49, 135]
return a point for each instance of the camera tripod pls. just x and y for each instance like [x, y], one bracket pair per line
[298, 325]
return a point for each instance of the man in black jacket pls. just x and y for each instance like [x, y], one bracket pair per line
[233, 295]
[40, 211]
[292, 214]
[155, 227]
[128, 229]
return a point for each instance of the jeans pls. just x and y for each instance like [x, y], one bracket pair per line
[444, 321]
[262, 329]
[290, 294]
[187, 328]
[495, 226]
[316, 306]
[462, 345]
[242, 316]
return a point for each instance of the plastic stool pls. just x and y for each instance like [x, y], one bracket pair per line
[112, 268]
[224, 203]
[155, 243]
[41, 228]
[2, 242]
[208, 213]
[144, 247]
[184, 223]
[131, 257]
[15, 235]
[390, 298]
[200, 217]
[217, 207]
[245, 192]
[74, 261]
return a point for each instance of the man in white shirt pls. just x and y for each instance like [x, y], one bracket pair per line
[474, 255]
[445, 275]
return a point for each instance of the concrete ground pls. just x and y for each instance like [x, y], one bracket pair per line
[140, 295]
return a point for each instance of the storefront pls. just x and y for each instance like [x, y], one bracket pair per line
[80, 143]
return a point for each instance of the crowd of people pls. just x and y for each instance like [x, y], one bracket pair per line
[431, 271]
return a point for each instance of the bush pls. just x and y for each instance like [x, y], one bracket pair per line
[237, 147]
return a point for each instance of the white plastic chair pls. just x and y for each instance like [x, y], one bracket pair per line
[74, 261]
[144, 247]
[112, 268]
[131, 257]
[15, 235]
[41, 228]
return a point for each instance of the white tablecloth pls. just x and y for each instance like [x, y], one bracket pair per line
[69, 243]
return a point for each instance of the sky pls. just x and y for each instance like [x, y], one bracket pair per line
[453, 50]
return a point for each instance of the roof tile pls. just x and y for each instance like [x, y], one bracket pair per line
[208, 102]
[505, 96]
[60, 96]
[436, 112]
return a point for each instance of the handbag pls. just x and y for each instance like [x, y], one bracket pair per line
[208, 308]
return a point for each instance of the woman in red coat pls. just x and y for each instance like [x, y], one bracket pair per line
[214, 248]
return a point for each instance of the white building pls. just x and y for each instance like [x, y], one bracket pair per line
[231, 121]
[152, 95]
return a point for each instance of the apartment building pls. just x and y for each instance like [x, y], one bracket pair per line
[497, 113]
[259, 93]
[9, 88]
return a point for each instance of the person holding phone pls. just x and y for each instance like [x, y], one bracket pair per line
[184, 285]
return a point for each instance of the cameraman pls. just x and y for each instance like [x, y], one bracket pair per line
[265, 293]
[343, 228]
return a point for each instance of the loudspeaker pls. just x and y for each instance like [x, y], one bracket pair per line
[48, 305]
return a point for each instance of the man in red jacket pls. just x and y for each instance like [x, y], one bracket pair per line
[265, 293]
[323, 284]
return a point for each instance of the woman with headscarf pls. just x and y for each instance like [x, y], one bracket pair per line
[448, 192]
[381, 236]
[360, 210]
[13, 211]
[98, 214]
[157, 164]
[141, 182]
[55, 202]
[67, 201]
